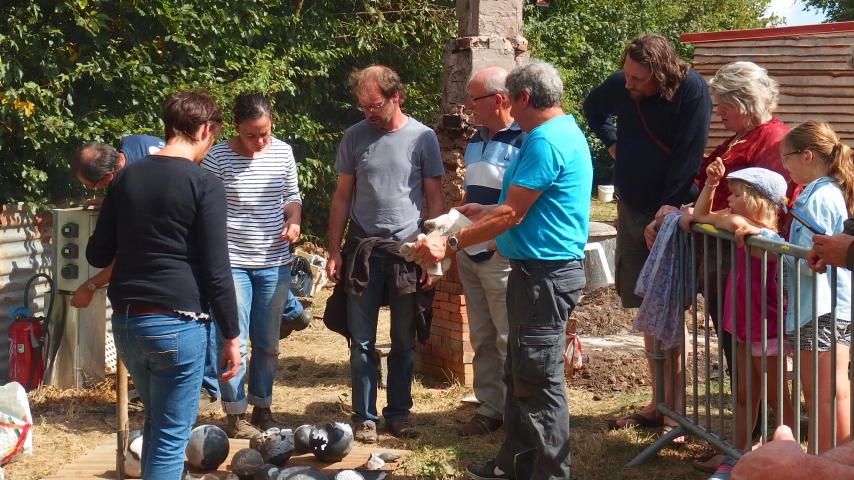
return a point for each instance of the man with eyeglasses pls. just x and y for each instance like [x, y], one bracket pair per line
[483, 270]
[389, 178]
[540, 223]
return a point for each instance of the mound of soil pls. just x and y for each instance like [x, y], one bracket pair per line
[599, 313]
[607, 370]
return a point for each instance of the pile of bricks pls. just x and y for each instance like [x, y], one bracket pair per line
[448, 353]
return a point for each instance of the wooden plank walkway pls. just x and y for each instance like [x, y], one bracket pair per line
[100, 463]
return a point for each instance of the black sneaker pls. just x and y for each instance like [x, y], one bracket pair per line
[487, 471]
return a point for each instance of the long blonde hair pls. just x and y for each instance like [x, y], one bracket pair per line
[824, 143]
[762, 210]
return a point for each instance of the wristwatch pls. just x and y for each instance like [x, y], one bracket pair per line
[453, 242]
[90, 285]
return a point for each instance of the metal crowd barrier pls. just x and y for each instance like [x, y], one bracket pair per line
[712, 413]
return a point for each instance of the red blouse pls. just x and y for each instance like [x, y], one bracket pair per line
[760, 147]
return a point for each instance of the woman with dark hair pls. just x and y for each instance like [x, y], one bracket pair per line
[263, 217]
[163, 222]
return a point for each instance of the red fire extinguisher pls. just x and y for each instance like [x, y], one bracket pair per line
[27, 341]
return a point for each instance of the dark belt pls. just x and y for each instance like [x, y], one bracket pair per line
[136, 309]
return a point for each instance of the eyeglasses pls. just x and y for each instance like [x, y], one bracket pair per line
[472, 100]
[793, 152]
[372, 108]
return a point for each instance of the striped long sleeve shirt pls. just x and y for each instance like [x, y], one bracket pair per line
[257, 190]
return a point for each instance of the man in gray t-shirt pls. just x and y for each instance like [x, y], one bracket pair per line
[388, 165]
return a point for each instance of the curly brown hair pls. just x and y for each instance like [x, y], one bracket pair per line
[655, 52]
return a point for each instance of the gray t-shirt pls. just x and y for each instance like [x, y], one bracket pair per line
[389, 168]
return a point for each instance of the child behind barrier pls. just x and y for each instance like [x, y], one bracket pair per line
[755, 199]
[815, 158]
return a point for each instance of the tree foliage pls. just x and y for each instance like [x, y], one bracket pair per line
[835, 10]
[78, 70]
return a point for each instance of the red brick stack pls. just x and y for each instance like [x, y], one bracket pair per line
[448, 353]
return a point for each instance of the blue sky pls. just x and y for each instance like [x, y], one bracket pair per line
[793, 12]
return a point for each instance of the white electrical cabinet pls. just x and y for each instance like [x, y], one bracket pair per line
[72, 229]
[82, 343]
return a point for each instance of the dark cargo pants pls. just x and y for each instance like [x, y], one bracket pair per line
[540, 297]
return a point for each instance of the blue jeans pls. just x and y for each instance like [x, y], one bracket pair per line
[210, 382]
[165, 357]
[362, 313]
[260, 300]
[293, 308]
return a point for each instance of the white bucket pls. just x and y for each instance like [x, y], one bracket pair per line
[606, 193]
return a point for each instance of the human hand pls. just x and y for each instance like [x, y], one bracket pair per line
[781, 459]
[229, 358]
[425, 283]
[82, 296]
[430, 249]
[291, 232]
[93, 203]
[649, 234]
[664, 210]
[742, 229]
[815, 262]
[830, 250]
[686, 219]
[612, 150]
[333, 265]
[715, 171]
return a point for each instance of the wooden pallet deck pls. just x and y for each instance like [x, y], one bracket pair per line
[100, 463]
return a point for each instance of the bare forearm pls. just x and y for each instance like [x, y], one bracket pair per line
[293, 213]
[103, 277]
[703, 206]
[494, 223]
[337, 220]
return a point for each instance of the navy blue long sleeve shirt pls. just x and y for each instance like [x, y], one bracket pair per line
[163, 221]
[645, 176]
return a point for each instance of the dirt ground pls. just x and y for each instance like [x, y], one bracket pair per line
[599, 314]
[312, 386]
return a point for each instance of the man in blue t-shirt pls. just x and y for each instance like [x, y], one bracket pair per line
[541, 225]
[483, 271]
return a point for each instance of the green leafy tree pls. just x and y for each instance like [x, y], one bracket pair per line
[835, 10]
[78, 70]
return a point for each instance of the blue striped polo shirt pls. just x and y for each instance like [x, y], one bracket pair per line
[486, 162]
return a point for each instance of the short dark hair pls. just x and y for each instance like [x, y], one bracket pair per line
[93, 160]
[656, 53]
[386, 79]
[185, 112]
[249, 106]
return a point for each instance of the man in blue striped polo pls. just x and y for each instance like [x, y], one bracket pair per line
[484, 271]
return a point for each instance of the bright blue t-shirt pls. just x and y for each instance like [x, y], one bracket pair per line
[555, 161]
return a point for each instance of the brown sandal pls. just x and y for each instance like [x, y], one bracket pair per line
[479, 425]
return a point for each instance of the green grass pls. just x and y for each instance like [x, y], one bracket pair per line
[603, 212]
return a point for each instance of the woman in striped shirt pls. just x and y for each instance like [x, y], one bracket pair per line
[264, 214]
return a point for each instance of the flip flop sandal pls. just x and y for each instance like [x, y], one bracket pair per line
[637, 420]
